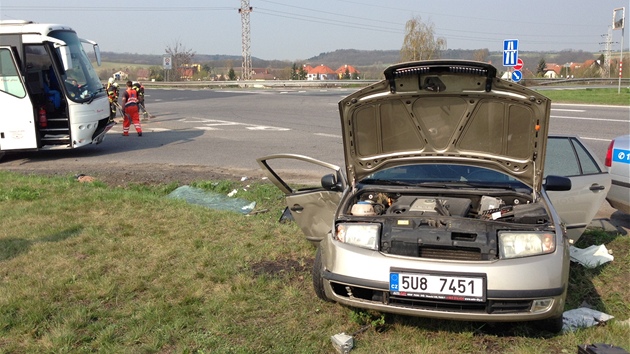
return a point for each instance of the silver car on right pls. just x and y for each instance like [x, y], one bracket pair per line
[618, 164]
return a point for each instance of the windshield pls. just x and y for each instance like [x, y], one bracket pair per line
[81, 82]
[445, 174]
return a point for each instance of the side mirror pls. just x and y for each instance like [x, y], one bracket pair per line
[66, 57]
[97, 53]
[557, 183]
[329, 182]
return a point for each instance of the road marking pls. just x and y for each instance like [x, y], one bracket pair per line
[598, 139]
[568, 110]
[329, 135]
[215, 124]
[596, 119]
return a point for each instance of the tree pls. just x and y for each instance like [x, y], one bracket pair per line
[420, 42]
[180, 56]
[346, 75]
[231, 74]
[540, 70]
[302, 73]
[481, 55]
[294, 72]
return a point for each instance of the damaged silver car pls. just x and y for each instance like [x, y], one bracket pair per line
[442, 210]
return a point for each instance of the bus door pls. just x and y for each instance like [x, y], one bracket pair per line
[17, 116]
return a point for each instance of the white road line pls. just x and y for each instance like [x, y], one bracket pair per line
[598, 139]
[569, 110]
[596, 119]
[329, 135]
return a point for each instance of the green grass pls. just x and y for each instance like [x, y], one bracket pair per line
[602, 96]
[91, 268]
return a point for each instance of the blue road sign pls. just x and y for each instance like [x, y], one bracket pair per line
[510, 52]
[517, 75]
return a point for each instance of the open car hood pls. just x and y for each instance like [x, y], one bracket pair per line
[445, 112]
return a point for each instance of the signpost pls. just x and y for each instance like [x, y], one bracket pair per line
[511, 59]
[619, 19]
[167, 64]
[510, 52]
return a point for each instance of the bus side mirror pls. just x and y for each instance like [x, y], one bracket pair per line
[97, 53]
[66, 57]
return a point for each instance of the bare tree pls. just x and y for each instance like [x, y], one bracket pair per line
[481, 54]
[180, 57]
[420, 42]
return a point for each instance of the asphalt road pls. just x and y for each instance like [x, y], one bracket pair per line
[231, 128]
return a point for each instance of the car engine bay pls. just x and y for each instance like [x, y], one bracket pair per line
[456, 225]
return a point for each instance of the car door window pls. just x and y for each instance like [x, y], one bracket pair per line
[568, 157]
[560, 159]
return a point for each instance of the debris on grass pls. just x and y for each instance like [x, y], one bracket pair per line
[583, 317]
[592, 256]
[213, 200]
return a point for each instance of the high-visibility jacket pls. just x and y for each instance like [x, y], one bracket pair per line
[131, 97]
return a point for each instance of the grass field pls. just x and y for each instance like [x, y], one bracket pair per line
[603, 96]
[89, 268]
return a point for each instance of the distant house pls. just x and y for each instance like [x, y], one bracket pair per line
[120, 75]
[143, 74]
[321, 72]
[262, 74]
[347, 69]
[550, 74]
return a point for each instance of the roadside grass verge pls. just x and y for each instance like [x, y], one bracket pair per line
[91, 268]
[602, 96]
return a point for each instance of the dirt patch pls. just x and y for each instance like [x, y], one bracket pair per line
[117, 174]
[283, 268]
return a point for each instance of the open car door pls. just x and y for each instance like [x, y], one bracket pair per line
[567, 156]
[312, 208]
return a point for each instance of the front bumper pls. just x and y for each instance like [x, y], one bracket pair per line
[360, 278]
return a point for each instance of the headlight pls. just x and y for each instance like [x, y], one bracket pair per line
[358, 234]
[514, 244]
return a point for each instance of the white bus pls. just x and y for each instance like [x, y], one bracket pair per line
[50, 95]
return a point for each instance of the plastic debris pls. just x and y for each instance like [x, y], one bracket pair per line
[232, 193]
[244, 178]
[581, 318]
[592, 256]
[342, 343]
[212, 200]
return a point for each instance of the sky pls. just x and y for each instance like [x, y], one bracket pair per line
[295, 29]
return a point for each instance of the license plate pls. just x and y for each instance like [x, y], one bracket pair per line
[438, 286]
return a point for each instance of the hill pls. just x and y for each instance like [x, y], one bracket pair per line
[369, 62]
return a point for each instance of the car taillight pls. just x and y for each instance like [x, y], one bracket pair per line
[608, 161]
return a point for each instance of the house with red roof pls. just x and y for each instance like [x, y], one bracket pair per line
[321, 72]
[346, 69]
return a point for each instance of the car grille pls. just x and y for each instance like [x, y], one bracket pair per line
[459, 254]
[490, 306]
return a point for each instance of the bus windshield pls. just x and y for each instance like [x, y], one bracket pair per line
[81, 81]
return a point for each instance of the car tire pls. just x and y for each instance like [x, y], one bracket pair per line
[318, 280]
[553, 324]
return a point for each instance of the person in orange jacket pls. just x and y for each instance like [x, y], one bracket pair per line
[130, 102]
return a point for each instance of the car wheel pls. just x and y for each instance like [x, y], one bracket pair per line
[553, 324]
[318, 281]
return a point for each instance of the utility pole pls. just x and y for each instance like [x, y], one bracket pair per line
[608, 45]
[246, 41]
